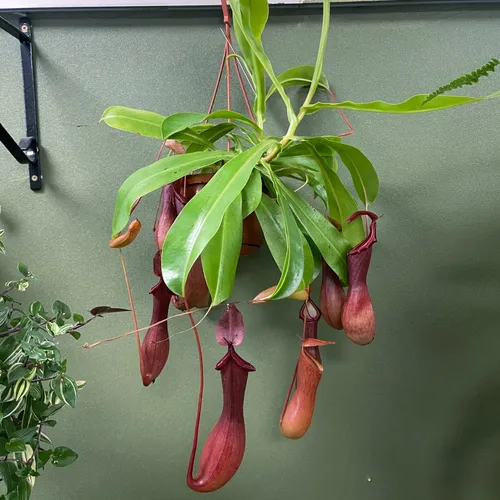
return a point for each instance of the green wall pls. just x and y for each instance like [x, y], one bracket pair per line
[418, 411]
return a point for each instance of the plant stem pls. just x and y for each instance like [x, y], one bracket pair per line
[134, 316]
[318, 69]
[43, 379]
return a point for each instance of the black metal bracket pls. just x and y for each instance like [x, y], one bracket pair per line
[27, 151]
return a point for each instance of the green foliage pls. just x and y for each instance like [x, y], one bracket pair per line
[415, 104]
[34, 384]
[258, 171]
[469, 79]
[201, 218]
[220, 256]
[298, 76]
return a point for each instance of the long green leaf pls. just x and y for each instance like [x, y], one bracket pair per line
[257, 13]
[328, 240]
[340, 202]
[310, 267]
[233, 115]
[220, 257]
[305, 164]
[414, 104]
[363, 174]
[245, 28]
[298, 76]
[148, 179]
[270, 218]
[136, 121]
[322, 144]
[293, 269]
[212, 134]
[202, 216]
[252, 193]
[179, 121]
[188, 136]
[289, 250]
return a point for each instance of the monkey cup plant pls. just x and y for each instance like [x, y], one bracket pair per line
[35, 384]
[218, 202]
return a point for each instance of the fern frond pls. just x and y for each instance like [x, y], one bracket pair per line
[469, 79]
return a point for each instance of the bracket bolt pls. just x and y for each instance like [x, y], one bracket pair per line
[24, 27]
[34, 178]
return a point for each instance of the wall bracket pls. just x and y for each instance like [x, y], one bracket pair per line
[27, 151]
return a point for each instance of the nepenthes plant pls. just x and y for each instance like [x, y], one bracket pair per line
[225, 188]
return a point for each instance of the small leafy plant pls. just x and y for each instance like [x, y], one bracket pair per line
[35, 384]
[224, 177]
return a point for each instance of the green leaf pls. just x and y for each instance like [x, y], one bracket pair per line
[220, 257]
[322, 144]
[293, 265]
[148, 179]
[75, 335]
[188, 136]
[136, 121]
[26, 434]
[51, 410]
[179, 121]
[246, 21]
[299, 75]
[328, 240]
[8, 426]
[257, 13]
[412, 105]
[60, 308]
[16, 372]
[36, 392]
[213, 134]
[310, 265]
[43, 457]
[200, 219]
[65, 389]
[20, 285]
[63, 456]
[45, 439]
[253, 15]
[3, 450]
[4, 315]
[36, 308]
[21, 388]
[233, 115]
[363, 174]
[23, 269]
[340, 202]
[10, 348]
[78, 318]
[52, 328]
[271, 221]
[22, 491]
[14, 445]
[251, 194]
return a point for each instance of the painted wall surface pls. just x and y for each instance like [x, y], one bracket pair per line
[414, 415]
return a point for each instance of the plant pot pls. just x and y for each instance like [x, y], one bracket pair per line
[189, 186]
[252, 235]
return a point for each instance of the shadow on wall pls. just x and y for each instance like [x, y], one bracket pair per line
[472, 455]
